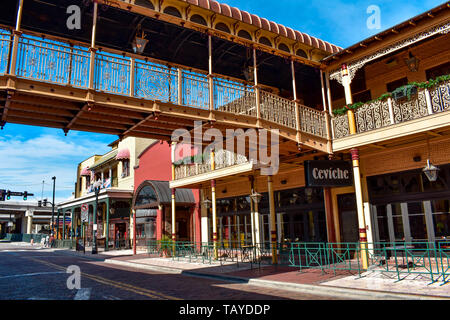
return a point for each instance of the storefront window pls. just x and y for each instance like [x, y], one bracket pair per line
[417, 221]
[397, 220]
[382, 219]
[146, 195]
[441, 218]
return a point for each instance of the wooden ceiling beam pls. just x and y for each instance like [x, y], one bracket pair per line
[41, 110]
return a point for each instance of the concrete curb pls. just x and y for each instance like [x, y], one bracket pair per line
[347, 293]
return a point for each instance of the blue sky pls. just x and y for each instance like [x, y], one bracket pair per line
[29, 155]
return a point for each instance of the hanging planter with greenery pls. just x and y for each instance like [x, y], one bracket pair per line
[407, 91]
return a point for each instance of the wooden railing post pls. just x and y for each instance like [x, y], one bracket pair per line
[92, 49]
[428, 99]
[180, 86]
[15, 46]
[391, 111]
[132, 76]
[297, 106]
[257, 90]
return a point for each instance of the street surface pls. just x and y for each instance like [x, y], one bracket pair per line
[28, 273]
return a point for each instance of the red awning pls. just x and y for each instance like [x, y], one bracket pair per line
[85, 172]
[123, 154]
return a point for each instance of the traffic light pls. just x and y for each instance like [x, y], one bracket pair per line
[39, 203]
[45, 203]
[8, 195]
[2, 195]
[25, 196]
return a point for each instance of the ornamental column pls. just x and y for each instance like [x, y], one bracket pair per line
[273, 229]
[214, 216]
[360, 208]
[346, 81]
[92, 49]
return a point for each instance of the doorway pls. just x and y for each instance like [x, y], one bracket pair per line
[348, 218]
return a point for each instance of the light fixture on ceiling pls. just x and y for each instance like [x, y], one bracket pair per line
[412, 62]
[139, 42]
[430, 170]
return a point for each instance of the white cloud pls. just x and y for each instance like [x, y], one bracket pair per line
[26, 162]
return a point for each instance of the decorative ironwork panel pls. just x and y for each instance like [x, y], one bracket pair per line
[312, 121]
[340, 126]
[234, 97]
[195, 90]
[440, 97]
[5, 44]
[156, 82]
[112, 73]
[278, 109]
[52, 61]
[372, 116]
[410, 110]
[225, 158]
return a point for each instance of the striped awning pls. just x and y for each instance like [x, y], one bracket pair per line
[85, 172]
[123, 154]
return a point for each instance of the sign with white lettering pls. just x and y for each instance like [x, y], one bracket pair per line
[328, 173]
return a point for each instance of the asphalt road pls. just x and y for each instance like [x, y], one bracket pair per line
[31, 274]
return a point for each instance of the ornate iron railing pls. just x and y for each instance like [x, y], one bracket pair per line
[63, 63]
[192, 169]
[157, 82]
[112, 73]
[278, 109]
[440, 97]
[195, 90]
[52, 61]
[234, 97]
[224, 159]
[380, 114]
[372, 116]
[5, 47]
[340, 126]
[312, 121]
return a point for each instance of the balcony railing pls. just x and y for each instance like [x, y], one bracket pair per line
[62, 63]
[380, 114]
[222, 159]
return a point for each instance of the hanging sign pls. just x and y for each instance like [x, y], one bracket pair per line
[84, 212]
[328, 173]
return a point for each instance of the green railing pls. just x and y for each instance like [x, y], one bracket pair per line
[60, 244]
[401, 259]
[20, 237]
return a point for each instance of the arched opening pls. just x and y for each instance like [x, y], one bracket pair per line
[265, 41]
[301, 53]
[146, 195]
[222, 27]
[198, 19]
[244, 34]
[284, 47]
[172, 11]
[145, 3]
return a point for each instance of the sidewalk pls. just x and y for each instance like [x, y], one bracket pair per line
[371, 284]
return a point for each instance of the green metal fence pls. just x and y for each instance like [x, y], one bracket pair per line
[61, 244]
[401, 259]
[19, 237]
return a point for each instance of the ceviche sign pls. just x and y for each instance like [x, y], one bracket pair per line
[328, 173]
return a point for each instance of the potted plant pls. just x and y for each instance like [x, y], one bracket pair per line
[404, 92]
[165, 246]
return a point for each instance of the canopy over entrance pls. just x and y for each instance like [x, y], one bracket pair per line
[152, 193]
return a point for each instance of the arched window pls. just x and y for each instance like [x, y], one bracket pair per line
[145, 3]
[146, 195]
[222, 27]
[284, 47]
[302, 53]
[198, 19]
[265, 41]
[172, 11]
[244, 34]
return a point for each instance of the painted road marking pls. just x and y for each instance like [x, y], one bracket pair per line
[83, 294]
[124, 286]
[28, 275]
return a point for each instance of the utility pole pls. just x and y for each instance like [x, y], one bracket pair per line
[53, 203]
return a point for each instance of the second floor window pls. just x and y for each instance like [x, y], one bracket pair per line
[125, 168]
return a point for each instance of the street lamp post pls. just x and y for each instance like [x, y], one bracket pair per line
[97, 186]
[53, 206]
